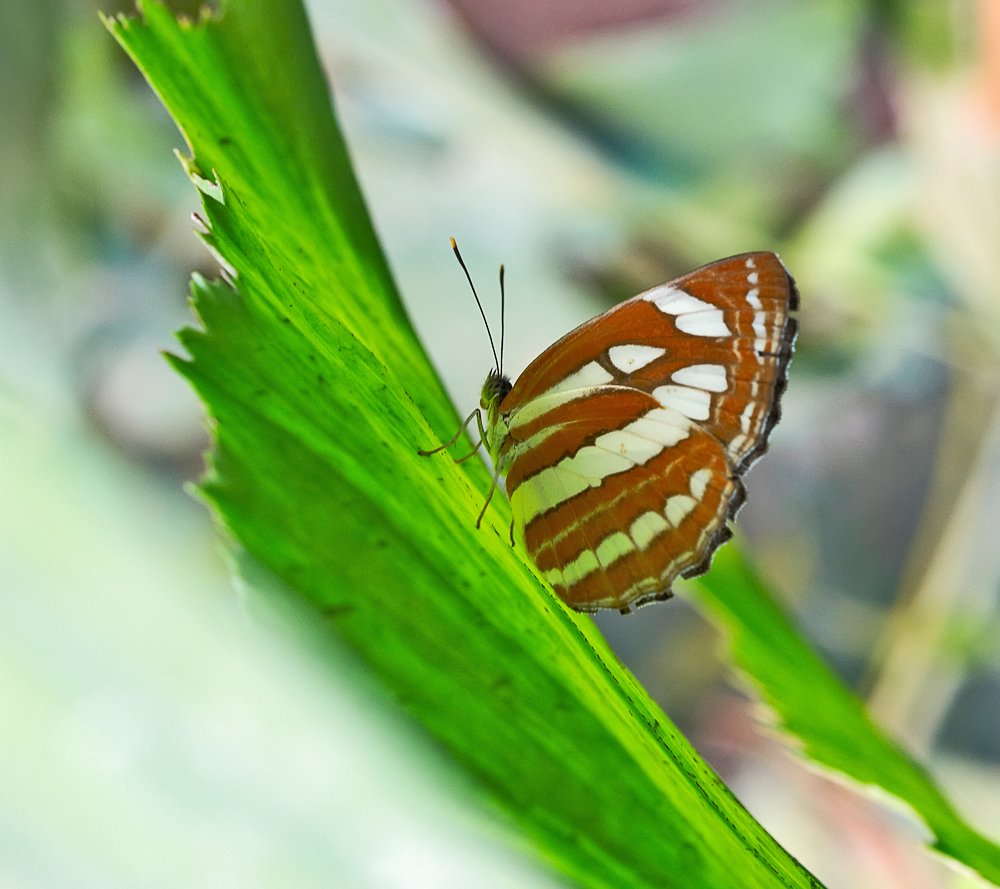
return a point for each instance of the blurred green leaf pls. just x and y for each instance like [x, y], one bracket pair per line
[319, 395]
[812, 704]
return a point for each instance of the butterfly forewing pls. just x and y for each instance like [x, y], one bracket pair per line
[625, 439]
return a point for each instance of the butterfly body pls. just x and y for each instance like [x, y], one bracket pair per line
[623, 444]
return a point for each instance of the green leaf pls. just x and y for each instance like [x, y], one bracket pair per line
[319, 395]
[812, 704]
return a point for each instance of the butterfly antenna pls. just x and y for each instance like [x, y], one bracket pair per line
[461, 262]
[503, 323]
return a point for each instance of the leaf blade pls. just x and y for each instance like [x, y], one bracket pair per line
[813, 705]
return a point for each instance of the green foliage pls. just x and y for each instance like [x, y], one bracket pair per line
[320, 394]
[812, 704]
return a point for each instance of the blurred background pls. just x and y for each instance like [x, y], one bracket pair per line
[596, 149]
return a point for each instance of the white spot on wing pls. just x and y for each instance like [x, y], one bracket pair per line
[760, 325]
[699, 482]
[533, 409]
[549, 487]
[615, 546]
[711, 377]
[693, 403]
[632, 357]
[645, 529]
[750, 263]
[584, 564]
[747, 419]
[707, 322]
[673, 301]
[759, 315]
[668, 427]
[753, 278]
[596, 462]
[678, 508]
[624, 442]
[586, 377]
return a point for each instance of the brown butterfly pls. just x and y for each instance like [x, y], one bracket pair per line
[624, 443]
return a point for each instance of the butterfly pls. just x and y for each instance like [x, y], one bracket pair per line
[625, 442]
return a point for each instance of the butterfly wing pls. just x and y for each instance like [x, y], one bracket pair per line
[626, 439]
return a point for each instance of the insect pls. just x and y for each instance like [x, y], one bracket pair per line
[624, 443]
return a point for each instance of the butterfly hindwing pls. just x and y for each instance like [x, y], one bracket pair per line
[626, 533]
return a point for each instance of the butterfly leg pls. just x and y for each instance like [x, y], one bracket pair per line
[479, 420]
[482, 436]
[489, 497]
[471, 453]
[512, 531]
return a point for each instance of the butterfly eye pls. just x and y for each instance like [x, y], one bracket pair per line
[503, 388]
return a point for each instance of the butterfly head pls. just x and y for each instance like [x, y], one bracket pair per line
[495, 390]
